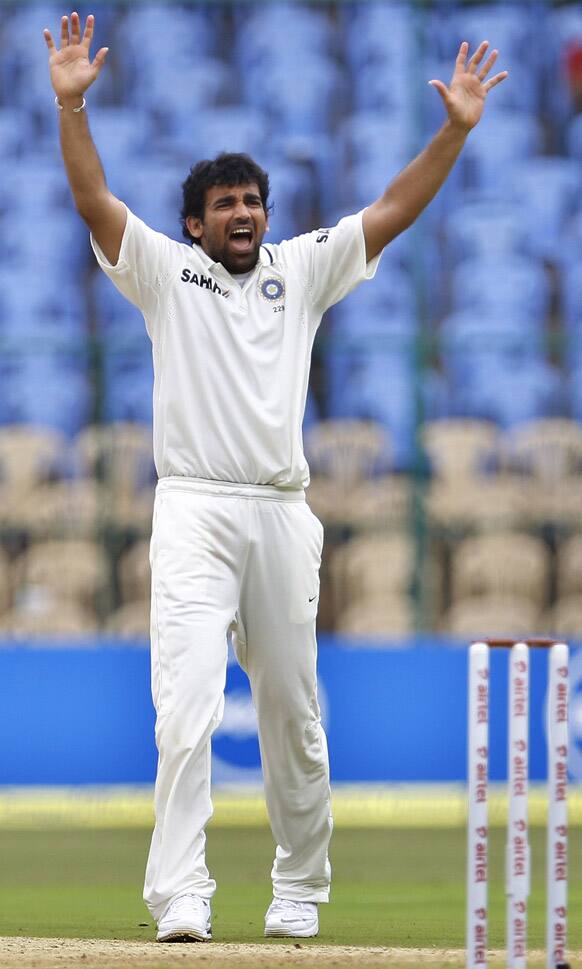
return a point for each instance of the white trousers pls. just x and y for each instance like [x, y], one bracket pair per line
[246, 559]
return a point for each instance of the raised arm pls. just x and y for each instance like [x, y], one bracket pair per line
[72, 73]
[411, 191]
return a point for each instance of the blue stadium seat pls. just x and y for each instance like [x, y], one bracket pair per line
[385, 88]
[153, 191]
[225, 129]
[510, 284]
[575, 391]
[484, 228]
[388, 296]
[471, 342]
[175, 93]
[369, 385]
[501, 138]
[123, 135]
[51, 189]
[16, 132]
[378, 34]
[511, 395]
[298, 102]
[311, 415]
[43, 379]
[280, 30]
[364, 138]
[127, 375]
[111, 309]
[292, 197]
[548, 189]
[31, 299]
[58, 247]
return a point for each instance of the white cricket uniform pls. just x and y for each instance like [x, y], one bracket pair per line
[234, 545]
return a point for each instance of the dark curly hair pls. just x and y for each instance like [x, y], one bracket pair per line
[228, 168]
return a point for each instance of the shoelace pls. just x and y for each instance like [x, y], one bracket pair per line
[183, 905]
[290, 905]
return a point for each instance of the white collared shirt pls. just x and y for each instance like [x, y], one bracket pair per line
[231, 363]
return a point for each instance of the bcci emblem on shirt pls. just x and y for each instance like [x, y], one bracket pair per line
[272, 289]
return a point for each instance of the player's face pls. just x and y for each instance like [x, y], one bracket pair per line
[233, 226]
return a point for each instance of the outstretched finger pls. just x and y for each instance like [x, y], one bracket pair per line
[99, 59]
[477, 56]
[64, 31]
[488, 65]
[75, 28]
[49, 40]
[462, 56]
[496, 80]
[88, 35]
[441, 88]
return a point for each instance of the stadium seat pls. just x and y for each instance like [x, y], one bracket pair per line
[377, 619]
[259, 36]
[485, 229]
[506, 283]
[131, 621]
[477, 616]
[122, 135]
[373, 567]
[299, 103]
[508, 563]
[28, 456]
[501, 139]
[379, 34]
[547, 454]
[490, 502]
[68, 570]
[460, 449]
[113, 312]
[16, 132]
[564, 619]
[134, 573]
[509, 397]
[548, 189]
[346, 451]
[378, 387]
[119, 454]
[203, 84]
[569, 567]
[160, 209]
[56, 509]
[474, 347]
[364, 138]
[43, 620]
[5, 580]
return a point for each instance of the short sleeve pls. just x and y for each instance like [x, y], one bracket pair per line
[144, 263]
[334, 260]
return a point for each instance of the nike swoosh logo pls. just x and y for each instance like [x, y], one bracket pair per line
[312, 598]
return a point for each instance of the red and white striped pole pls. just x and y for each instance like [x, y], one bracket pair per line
[478, 772]
[557, 848]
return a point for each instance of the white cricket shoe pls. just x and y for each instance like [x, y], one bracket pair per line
[186, 919]
[287, 918]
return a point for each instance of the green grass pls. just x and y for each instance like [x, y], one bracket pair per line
[391, 887]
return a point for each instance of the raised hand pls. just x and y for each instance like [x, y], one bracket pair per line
[71, 70]
[464, 98]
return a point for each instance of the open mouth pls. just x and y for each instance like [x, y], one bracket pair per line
[241, 238]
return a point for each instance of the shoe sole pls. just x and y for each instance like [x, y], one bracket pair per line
[287, 934]
[187, 936]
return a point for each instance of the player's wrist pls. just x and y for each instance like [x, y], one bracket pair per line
[71, 102]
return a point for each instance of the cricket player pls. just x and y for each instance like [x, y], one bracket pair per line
[235, 548]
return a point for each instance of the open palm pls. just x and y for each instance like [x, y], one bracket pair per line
[71, 69]
[464, 98]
